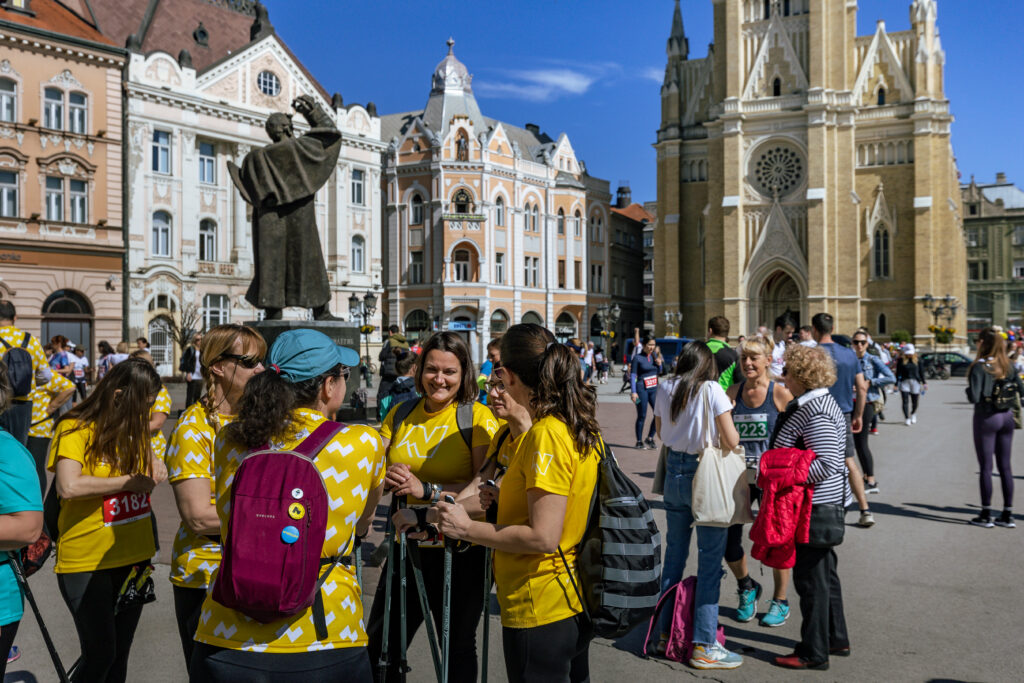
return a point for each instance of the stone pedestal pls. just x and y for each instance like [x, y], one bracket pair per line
[341, 333]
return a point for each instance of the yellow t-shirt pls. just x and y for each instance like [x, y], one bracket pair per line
[431, 445]
[509, 446]
[352, 465]
[534, 589]
[101, 532]
[161, 405]
[190, 456]
[13, 336]
[42, 427]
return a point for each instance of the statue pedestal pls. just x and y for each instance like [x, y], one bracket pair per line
[341, 333]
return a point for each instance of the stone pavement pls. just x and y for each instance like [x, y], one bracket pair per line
[928, 597]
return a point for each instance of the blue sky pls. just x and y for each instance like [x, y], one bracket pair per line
[593, 68]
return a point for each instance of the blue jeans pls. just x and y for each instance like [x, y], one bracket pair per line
[679, 471]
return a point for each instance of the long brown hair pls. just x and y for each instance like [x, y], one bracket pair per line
[118, 411]
[694, 366]
[552, 371]
[217, 342]
[452, 343]
[993, 347]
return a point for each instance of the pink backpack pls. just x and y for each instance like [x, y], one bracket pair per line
[277, 524]
[680, 635]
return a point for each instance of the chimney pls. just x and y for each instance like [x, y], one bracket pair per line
[623, 197]
[1000, 178]
[533, 128]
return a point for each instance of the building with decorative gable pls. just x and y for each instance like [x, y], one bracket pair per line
[803, 167]
[488, 224]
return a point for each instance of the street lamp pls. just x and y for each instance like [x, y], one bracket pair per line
[672, 319]
[944, 307]
[609, 317]
[364, 308]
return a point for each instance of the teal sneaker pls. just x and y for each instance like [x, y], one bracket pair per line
[777, 614]
[748, 603]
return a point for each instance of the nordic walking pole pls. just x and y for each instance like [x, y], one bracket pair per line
[428, 620]
[359, 562]
[487, 612]
[403, 644]
[15, 563]
[389, 538]
[446, 613]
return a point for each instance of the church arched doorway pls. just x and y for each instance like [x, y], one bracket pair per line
[779, 293]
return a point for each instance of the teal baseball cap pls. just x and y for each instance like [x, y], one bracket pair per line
[304, 354]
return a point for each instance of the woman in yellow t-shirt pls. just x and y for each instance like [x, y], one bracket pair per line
[542, 506]
[428, 456]
[47, 400]
[105, 471]
[303, 384]
[230, 355]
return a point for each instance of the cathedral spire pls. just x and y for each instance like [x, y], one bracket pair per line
[678, 46]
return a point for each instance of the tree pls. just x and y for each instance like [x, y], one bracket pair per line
[183, 326]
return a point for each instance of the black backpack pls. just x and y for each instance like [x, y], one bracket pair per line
[619, 557]
[19, 367]
[1004, 394]
[463, 418]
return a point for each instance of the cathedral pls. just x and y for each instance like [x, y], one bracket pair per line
[804, 168]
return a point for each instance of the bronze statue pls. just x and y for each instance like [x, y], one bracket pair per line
[280, 182]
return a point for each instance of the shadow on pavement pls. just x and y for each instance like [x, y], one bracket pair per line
[964, 513]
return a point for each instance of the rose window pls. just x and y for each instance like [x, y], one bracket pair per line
[778, 171]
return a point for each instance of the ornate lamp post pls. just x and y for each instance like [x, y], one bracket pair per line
[364, 308]
[609, 316]
[946, 308]
[673, 319]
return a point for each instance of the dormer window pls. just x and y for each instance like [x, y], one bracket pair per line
[881, 97]
[777, 88]
[201, 35]
[462, 201]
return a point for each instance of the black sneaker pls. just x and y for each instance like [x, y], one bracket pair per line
[650, 443]
[639, 444]
[982, 521]
[870, 487]
[1005, 520]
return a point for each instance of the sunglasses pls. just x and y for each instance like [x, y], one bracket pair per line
[860, 342]
[247, 362]
[345, 373]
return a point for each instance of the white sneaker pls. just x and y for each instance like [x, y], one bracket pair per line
[714, 656]
[908, 421]
[913, 419]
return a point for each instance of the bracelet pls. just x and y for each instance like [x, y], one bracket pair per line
[427, 488]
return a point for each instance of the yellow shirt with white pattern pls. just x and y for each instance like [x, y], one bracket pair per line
[190, 456]
[42, 426]
[161, 405]
[352, 465]
[13, 336]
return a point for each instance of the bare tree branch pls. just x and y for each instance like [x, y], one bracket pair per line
[186, 326]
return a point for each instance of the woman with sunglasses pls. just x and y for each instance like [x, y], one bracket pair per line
[230, 355]
[878, 376]
[105, 470]
[427, 457]
[304, 383]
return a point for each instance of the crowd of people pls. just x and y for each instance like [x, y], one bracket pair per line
[503, 460]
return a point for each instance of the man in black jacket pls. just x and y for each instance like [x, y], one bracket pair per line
[387, 358]
[191, 370]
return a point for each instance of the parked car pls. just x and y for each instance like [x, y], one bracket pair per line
[956, 363]
[670, 348]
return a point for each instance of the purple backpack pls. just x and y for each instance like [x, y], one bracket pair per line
[271, 566]
[680, 635]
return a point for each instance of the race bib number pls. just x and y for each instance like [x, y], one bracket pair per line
[125, 507]
[79, 373]
[752, 427]
[650, 382]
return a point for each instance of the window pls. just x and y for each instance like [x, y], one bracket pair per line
[8, 194]
[53, 109]
[648, 289]
[881, 254]
[499, 268]
[499, 322]
[216, 310]
[162, 301]
[269, 83]
[416, 321]
[358, 260]
[561, 222]
[577, 226]
[1018, 269]
[973, 209]
[561, 273]
[161, 151]
[532, 318]
[461, 265]
[54, 199]
[648, 241]
[207, 163]
[415, 267]
[1018, 235]
[648, 265]
[535, 271]
[978, 270]
[207, 240]
[881, 97]
[776, 88]
[499, 212]
[8, 99]
[883, 324]
[161, 234]
[462, 202]
[76, 112]
[534, 218]
[597, 278]
[357, 187]
[1016, 302]
[526, 271]
[977, 303]
[577, 274]
[767, 9]
[161, 342]
[79, 202]
[417, 210]
[977, 237]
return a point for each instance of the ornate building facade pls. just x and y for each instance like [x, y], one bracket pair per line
[190, 232]
[61, 245]
[488, 224]
[803, 167]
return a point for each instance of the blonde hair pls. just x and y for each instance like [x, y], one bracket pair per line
[143, 354]
[811, 367]
[217, 342]
[756, 346]
[122, 347]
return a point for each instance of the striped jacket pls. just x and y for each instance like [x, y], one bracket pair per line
[815, 422]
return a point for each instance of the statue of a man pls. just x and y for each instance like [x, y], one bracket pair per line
[280, 182]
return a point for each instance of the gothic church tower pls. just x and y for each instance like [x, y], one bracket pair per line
[803, 167]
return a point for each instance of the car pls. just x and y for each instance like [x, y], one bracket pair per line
[957, 363]
[670, 348]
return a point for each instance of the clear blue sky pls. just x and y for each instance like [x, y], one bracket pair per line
[593, 68]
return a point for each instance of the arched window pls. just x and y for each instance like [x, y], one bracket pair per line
[883, 324]
[881, 97]
[417, 210]
[577, 226]
[499, 322]
[499, 212]
[461, 269]
[565, 327]
[207, 240]
[8, 100]
[161, 343]
[535, 217]
[77, 110]
[561, 222]
[358, 260]
[66, 302]
[416, 322]
[462, 201]
[767, 9]
[881, 253]
[777, 88]
[53, 109]
[785, 8]
[161, 234]
[532, 318]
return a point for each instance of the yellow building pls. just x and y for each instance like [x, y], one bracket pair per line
[488, 224]
[803, 167]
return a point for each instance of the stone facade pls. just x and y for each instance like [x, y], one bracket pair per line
[61, 245]
[629, 222]
[802, 167]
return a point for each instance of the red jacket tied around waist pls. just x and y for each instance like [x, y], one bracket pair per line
[784, 516]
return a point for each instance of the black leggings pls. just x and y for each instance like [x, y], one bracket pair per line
[188, 604]
[734, 536]
[860, 441]
[7, 634]
[467, 604]
[219, 665]
[909, 403]
[552, 653]
[993, 436]
[105, 638]
[646, 397]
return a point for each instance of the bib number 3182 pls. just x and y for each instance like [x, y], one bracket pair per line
[125, 507]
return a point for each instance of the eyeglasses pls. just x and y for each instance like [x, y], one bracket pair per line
[496, 387]
[247, 362]
[860, 342]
